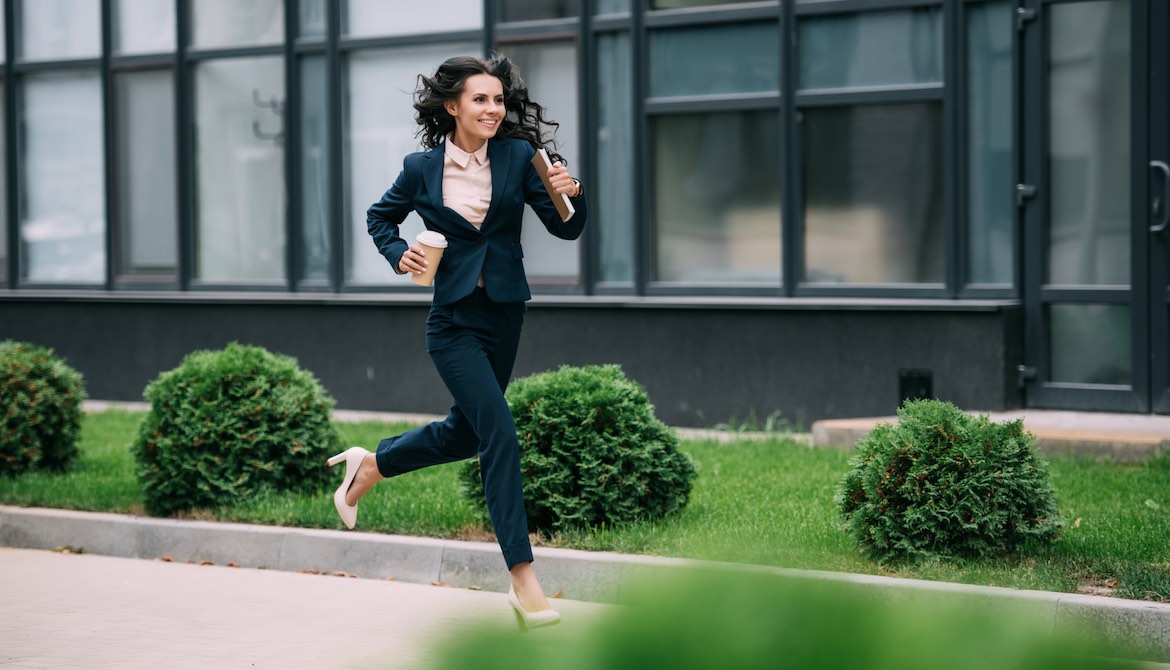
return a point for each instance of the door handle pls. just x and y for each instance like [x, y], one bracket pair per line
[1161, 207]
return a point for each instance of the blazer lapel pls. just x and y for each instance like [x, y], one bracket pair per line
[433, 176]
[433, 180]
[500, 156]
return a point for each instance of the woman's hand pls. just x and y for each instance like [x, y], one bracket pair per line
[562, 181]
[413, 261]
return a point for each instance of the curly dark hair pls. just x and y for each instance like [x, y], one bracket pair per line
[524, 118]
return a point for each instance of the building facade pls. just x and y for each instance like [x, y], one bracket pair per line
[811, 207]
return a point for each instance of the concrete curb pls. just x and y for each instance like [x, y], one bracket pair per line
[579, 575]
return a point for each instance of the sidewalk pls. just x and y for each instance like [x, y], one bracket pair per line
[84, 611]
[48, 587]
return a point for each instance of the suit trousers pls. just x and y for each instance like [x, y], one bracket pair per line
[473, 345]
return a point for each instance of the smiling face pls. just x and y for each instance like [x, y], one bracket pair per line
[478, 112]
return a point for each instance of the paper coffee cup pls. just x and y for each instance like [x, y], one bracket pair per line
[433, 245]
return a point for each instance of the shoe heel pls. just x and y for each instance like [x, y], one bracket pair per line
[334, 460]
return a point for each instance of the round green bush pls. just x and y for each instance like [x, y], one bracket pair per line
[227, 424]
[943, 483]
[41, 400]
[591, 451]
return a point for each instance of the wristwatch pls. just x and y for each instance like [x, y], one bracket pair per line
[580, 190]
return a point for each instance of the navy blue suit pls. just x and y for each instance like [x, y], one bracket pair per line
[473, 333]
[495, 248]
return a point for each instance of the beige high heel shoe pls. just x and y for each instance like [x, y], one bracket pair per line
[353, 458]
[527, 619]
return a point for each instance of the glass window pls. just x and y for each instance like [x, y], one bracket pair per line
[144, 26]
[1089, 144]
[989, 143]
[872, 49]
[717, 197]
[380, 132]
[673, 4]
[533, 10]
[873, 194]
[612, 197]
[611, 7]
[61, 29]
[313, 19]
[3, 196]
[367, 18]
[235, 23]
[314, 195]
[1090, 344]
[550, 70]
[63, 203]
[239, 117]
[147, 225]
[736, 58]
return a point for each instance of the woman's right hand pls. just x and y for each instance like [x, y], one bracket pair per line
[413, 261]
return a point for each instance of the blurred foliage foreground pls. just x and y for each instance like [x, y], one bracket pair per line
[723, 619]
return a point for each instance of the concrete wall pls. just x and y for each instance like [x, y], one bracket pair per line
[700, 365]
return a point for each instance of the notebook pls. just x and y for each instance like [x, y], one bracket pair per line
[543, 165]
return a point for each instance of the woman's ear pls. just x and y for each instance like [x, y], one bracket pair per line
[452, 107]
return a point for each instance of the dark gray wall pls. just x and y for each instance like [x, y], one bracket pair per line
[700, 365]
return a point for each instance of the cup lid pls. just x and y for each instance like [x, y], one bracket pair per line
[432, 239]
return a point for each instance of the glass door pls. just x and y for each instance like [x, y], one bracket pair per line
[1158, 225]
[1084, 203]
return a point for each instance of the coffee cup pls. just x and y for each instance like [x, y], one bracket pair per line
[433, 245]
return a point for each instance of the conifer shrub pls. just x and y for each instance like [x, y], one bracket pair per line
[591, 451]
[944, 483]
[227, 424]
[40, 409]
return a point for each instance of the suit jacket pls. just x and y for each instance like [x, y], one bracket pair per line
[494, 250]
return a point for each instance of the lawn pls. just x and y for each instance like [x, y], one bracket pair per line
[767, 502]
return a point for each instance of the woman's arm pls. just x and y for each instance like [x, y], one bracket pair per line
[539, 200]
[384, 217]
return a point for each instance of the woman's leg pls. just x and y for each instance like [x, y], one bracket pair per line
[451, 439]
[473, 344]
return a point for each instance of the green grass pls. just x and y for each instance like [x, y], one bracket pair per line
[766, 502]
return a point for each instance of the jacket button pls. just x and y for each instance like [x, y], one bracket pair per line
[482, 240]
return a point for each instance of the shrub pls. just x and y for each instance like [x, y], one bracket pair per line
[943, 483]
[227, 424]
[591, 451]
[41, 400]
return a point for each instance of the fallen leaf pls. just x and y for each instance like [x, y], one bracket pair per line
[1077, 523]
[206, 562]
[1152, 505]
[435, 582]
[475, 588]
[66, 549]
[559, 594]
[166, 559]
[233, 564]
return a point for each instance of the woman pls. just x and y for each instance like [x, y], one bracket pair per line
[481, 132]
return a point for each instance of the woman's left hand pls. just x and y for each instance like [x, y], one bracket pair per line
[562, 181]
